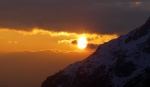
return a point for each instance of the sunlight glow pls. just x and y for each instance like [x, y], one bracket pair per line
[82, 42]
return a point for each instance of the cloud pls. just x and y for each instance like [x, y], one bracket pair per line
[39, 39]
[69, 41]
[97, 16]
[138, 3]
[89, 45]
[74, 42]
[69, 51]
[93, 39]
[92, 46]
[36, 31]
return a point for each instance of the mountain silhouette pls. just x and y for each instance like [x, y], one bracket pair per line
[122, 62]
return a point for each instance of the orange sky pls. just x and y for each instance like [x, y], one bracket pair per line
[39, 40]
[28, 56]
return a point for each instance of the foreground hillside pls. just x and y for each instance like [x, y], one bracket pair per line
[122, 62]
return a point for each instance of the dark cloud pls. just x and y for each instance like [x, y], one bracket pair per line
[89, 46]
[92, 46]
[74, 42]
[100, 16]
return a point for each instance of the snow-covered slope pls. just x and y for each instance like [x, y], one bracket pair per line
[122, 62]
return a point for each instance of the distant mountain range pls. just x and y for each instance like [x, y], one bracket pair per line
[122, 62]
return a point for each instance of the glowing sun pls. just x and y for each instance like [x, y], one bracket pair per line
[82, 42]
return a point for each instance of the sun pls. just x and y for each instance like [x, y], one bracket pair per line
[82, 42]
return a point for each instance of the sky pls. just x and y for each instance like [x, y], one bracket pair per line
[41, 36]
[96, 16]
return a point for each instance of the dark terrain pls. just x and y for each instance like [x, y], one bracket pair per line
[122, 62]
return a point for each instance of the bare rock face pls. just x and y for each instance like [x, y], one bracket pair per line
[122, 62]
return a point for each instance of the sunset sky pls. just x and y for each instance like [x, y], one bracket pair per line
[43, 35]
[41, 40]
[36, 25]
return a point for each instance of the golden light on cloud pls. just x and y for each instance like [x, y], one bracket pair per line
[40, 39]
[137, 3]
[36, 31]
[82, 42]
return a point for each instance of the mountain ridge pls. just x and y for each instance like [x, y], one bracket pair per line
[122, 62]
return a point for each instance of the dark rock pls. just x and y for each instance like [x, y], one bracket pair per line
[124, 69]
